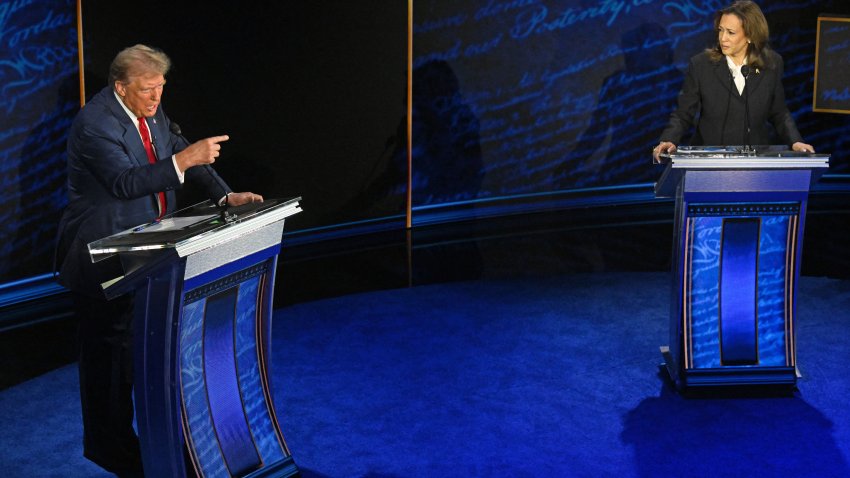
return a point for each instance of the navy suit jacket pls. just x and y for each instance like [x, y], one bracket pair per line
[708, 90]
[112, 187]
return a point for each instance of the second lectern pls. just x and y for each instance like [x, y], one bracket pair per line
[739, 222]
[203, 281]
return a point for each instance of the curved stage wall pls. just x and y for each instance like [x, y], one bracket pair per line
[517, 105]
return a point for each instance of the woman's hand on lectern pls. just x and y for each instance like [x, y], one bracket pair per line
[802, 148]
[663, 147]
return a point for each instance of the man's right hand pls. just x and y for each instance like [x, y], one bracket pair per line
[201, 152]
[663, 147]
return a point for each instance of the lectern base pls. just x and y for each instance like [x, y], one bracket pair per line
[669, 364]
[283, 469]
[729, 376]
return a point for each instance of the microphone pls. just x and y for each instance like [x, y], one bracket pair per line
[175, 129]
[745, 72]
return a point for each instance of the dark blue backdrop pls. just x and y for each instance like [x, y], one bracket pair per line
[511, 99]
[39, 95]
[543, 95]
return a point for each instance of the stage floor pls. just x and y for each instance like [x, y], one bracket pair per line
[523, 376]
[523, 346]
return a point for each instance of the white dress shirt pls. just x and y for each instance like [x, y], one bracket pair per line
[736, 74]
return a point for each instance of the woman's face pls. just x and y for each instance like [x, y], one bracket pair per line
[730, 34]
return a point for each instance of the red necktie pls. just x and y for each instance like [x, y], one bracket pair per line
[146, 140]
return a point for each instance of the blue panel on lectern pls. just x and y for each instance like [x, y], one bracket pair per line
[200, 429]
[738, 275]
[751, 266]
[237, 444]
[248, 367]
[773, 257]
[705, 262]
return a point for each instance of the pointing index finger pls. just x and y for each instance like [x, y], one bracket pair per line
[219, 139]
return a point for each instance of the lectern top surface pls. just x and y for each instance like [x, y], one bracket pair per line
[743, 156]
[723, 159]
[191, 224]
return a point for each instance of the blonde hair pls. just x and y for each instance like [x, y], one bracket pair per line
[136, 60]
[755, 28]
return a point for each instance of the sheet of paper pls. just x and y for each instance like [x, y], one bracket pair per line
[172, 223]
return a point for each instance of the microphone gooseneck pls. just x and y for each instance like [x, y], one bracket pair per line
[745, 72]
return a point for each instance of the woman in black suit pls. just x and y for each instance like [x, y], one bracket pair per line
[714, 88]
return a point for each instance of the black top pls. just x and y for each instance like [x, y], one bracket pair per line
[710, 99]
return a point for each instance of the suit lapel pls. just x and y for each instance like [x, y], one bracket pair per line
[131, 133]
[158, 135]
[721, 72]
[754, 80]
[134, 144]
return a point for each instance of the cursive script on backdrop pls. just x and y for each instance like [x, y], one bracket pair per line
[570, 94]
[39, 96]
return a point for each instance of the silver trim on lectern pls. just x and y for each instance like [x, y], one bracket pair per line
[730, 158]
[108, 246]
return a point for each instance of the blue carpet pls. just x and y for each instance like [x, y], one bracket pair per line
[533, 377]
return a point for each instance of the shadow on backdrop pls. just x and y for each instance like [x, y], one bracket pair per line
[447, 162]
[633, 106]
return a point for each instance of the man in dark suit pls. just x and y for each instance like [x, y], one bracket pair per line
[124, 164]
[741, 73]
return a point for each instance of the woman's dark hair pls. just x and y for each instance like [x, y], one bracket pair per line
[755, 28]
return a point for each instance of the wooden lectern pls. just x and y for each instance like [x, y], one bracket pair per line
[740, 214]
[203, 280]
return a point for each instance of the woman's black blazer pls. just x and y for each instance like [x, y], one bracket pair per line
[710, 99]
